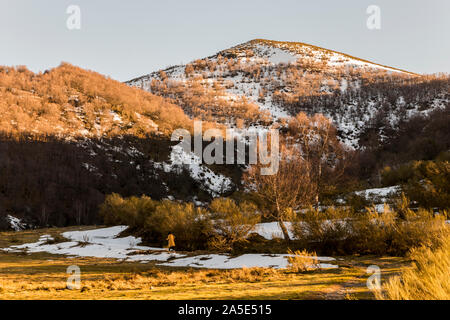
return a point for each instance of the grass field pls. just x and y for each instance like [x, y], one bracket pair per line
[43, 276]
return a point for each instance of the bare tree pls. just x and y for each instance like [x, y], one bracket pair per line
[308, 151]
[289, 187]
[319, 147]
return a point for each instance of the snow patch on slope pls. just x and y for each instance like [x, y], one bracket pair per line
[381, 193]
[15, 223]
[214, 183]
[277, 55]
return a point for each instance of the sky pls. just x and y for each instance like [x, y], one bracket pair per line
[127, 39]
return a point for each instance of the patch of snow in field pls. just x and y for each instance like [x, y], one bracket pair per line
[221, 261]
[272, 230]
[103, 243]
[98, 243]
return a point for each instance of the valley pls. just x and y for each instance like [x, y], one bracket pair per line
[99, 174]
[42, 275]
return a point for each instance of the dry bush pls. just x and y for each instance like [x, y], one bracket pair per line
[252, 274]
[428, 279]
[192, 226]
[302, 261]
[232, 221]
[372, 231]
[388, 233]
[319, 230]
[154, 220]
[130, 211]
[220, 244]
[342, 231]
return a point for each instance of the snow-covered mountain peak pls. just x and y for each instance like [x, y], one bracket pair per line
[276, 52]
[261, 81]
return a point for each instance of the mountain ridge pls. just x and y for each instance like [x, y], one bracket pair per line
[268, 41]
[261, 81]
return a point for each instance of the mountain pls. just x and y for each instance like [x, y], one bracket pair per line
[262, 81]
[69, 137]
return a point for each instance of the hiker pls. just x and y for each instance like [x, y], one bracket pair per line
[171, 239]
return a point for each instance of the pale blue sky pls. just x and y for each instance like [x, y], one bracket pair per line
[126, 39]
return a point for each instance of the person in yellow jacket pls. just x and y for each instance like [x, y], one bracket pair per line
[171, 244]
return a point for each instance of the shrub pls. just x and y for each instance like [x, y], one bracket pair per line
[112, 210]
[357, 202]
[388, 233]
[325, 231]
[153, 220]
[402, 174]
[130, 211]
[341, 231]
[430, 186]
[191, 226]
[419, 227]
[232, 221]
[425, 182]
[302, 261]
[427, 279]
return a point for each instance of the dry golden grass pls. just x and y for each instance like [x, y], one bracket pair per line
[428, 279]
[302, 261]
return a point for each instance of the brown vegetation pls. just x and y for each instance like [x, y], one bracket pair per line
[427, 279]
[71, 101]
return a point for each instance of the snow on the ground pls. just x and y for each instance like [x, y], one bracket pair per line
[15, 223]
[221, 261]
[271, 57]
[272, 230]
[276, 55]
[380, 193]
[98, 243]
[379, 196]
[212, 182]
[103, 243]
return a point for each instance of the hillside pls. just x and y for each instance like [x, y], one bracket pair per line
[70, 101]
[261, 81]
[69, 136]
